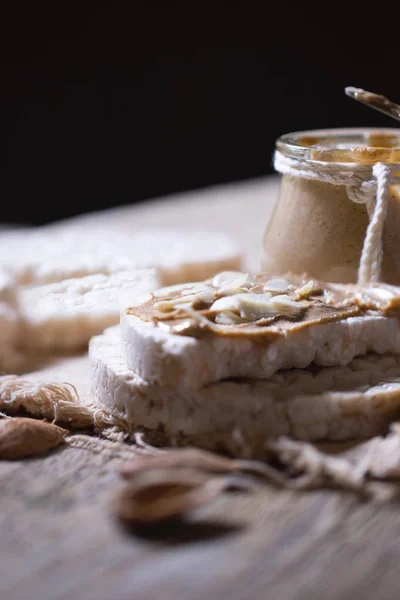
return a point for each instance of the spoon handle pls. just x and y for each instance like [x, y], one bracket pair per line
[375, 101]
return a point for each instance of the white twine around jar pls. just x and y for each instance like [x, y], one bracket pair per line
[365, 184]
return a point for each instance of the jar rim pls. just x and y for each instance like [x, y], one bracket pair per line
[361, 144]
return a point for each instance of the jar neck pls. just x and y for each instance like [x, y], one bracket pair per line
[361, 146]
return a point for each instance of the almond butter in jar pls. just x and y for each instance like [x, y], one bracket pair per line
[327, 189]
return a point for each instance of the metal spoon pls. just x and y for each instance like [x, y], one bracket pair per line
[375, 101]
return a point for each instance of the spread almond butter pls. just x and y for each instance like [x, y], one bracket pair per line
[261, 309]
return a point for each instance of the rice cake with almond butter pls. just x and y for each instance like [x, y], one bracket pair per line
[239, 326]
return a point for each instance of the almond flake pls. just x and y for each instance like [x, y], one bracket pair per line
[277, 286]
[169, 290]
[240, 284]
[255, 306]
[206, 296]
[228, 317]
[305, 290]
[287, 307]
[171, 305]
[225, 303]
[226, 278]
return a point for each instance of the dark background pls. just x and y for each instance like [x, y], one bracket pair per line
[105, 105]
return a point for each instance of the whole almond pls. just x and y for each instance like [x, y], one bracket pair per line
[21, 437]
[161, 495]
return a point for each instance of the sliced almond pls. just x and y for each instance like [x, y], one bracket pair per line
[240, 284]
[379, 295]
[227, 317]
[201, 320]
[170, 290]
[175, 303]
[276, 286]
[225, 278]
[226, 303]
[305, 291]
[204, 296]
[287, 307]
[255, 306]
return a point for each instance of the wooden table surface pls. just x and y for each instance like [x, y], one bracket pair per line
[59, 539]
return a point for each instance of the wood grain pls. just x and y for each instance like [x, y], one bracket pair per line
[59, 540]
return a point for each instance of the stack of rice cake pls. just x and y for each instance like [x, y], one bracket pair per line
[228, 363]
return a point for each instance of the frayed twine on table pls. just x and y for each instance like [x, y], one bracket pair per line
[304, 465]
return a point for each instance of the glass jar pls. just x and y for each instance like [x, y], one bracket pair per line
[315, 227]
